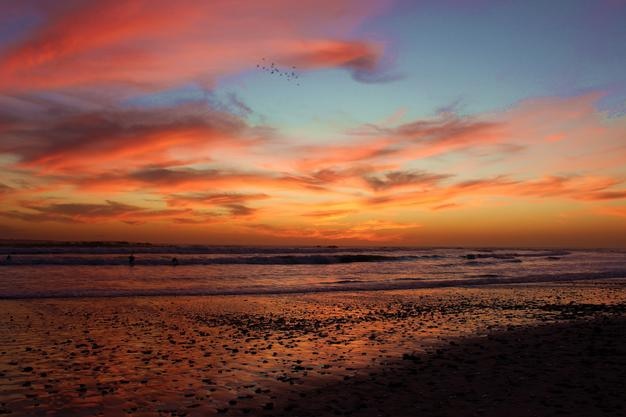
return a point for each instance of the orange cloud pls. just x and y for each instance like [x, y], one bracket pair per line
[5, 190]
[575, 188]
[370, 231]
[612, 211]
[328, 213]
[446, 206]
[89, 213]
[404, 178]
[213, 199]
[185, 179]
[87, 141]
[419, 139]
[234, 203]
[510, 135]
[188, 165]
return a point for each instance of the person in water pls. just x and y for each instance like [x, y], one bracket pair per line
[9, 259]
[174, 261]
[131, 260]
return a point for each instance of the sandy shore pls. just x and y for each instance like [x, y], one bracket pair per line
[518, 350]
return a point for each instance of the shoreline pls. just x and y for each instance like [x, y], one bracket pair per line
[411, 284]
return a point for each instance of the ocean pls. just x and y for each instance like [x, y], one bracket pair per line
[49, 271]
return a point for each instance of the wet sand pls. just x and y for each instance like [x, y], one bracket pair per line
[516, 350]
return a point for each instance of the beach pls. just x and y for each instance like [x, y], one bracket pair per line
[550, 348]
[356, 208]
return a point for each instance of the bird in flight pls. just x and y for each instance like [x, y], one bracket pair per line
[288, 74]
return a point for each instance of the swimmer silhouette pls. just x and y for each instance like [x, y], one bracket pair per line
[131, 260]
[9, 259]
[174, 261]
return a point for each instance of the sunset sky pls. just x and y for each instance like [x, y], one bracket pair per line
[444, 122]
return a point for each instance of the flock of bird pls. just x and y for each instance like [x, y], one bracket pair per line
[271, 68]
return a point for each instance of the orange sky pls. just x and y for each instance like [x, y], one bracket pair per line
[146, 121]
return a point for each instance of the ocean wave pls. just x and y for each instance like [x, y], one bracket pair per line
[318, 259]
[127, 249]
[514, 255]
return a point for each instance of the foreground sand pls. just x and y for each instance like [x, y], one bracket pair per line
[519, 350]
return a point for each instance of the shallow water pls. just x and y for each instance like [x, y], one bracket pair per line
[75, 271]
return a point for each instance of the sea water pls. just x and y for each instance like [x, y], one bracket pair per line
[92, 270]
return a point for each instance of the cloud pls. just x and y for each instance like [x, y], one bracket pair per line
[328, 213]
[446, 206]
[183, 178]
[157, 43]
[212, 199]
[582, 188]
[513, 135]
[415, 140]
[612, 211]
[376, 76]
[240, 209]
[207, 165]
[576, 187]
[89, 212]
[5, 189]
[401, 178]
[69, 139]
[606, 195]
[371, 230]
[235, 204]
[176, 176]
[187, 179]
[361, 59]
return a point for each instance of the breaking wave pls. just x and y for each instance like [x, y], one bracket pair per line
[317, 259]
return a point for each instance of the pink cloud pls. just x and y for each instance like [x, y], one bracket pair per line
[161, 43]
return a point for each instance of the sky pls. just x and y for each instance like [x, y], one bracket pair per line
[344, 122]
